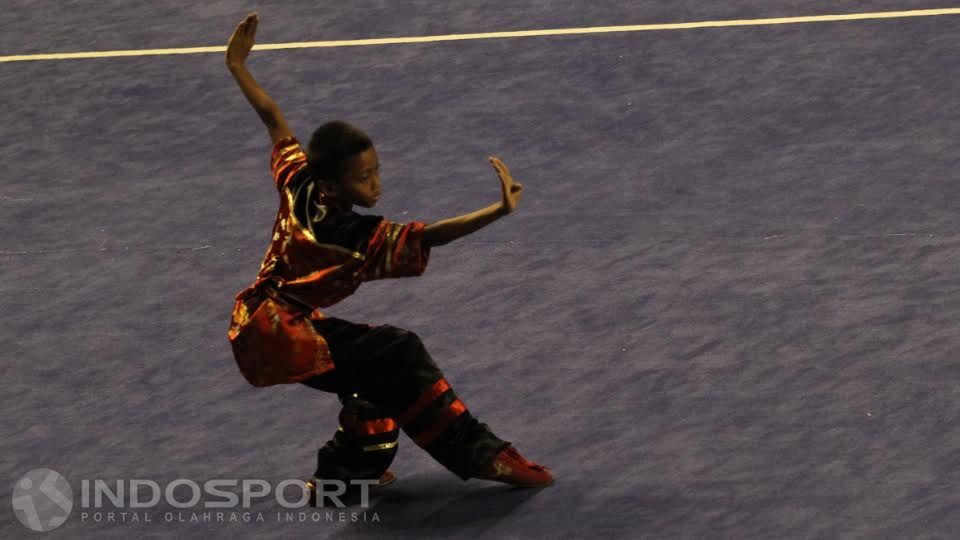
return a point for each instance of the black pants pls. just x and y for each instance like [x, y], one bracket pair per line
[387, 381]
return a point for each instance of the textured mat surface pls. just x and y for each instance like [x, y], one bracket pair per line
[726, 308]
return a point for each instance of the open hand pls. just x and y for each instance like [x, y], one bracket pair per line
[511, 189]
[242, 40]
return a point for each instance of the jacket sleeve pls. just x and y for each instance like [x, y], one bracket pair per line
[286, 160]
[395, 250]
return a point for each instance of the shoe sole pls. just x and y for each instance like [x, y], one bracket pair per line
[386, 479]
[515, 484]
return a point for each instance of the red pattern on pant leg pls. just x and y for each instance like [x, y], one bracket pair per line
[423, 402]
[443, 422]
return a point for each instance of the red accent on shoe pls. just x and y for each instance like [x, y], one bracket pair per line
[512, 468]
[386, 478]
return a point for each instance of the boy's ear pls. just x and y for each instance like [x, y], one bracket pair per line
[328, 189]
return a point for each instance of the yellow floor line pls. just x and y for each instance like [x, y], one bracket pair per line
[494, 35]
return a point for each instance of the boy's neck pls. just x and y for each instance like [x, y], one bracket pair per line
[335, 203]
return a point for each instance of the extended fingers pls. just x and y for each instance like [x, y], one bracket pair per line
[248, 25]
[499, 166]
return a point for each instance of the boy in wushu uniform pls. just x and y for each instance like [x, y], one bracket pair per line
[320, 253]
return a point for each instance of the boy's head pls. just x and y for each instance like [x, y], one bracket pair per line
[344, 162]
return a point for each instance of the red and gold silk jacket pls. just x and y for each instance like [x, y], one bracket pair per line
[319, 255]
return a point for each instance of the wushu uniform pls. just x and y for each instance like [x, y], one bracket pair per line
[386, 380]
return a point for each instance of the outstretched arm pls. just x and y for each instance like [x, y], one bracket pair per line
[448, 230]
[238, 49]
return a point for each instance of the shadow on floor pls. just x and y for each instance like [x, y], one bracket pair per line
[435, 505]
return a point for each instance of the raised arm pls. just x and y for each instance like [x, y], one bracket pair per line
[238, 49]
[448, 230]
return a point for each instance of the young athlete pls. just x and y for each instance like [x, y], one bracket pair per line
[320, 253]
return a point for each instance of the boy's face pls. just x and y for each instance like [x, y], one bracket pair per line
[361, 182]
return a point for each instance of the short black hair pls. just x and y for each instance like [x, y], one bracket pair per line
[331, 145]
